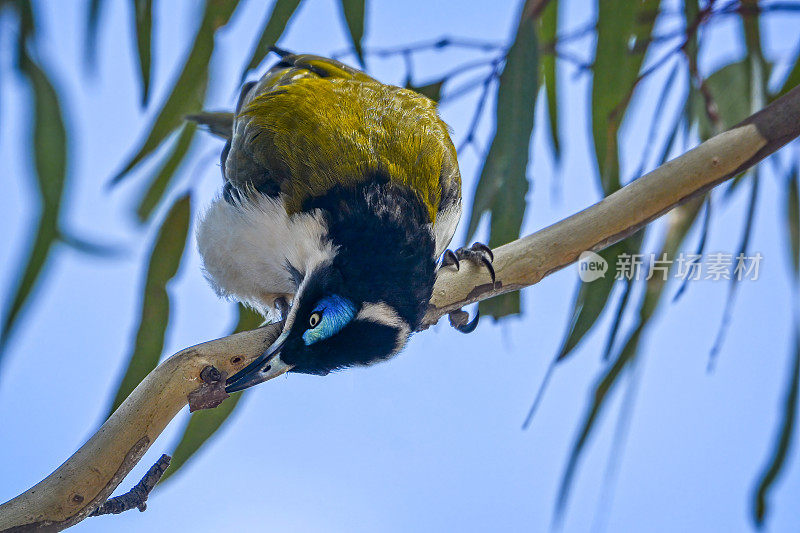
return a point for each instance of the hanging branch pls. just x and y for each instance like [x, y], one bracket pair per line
[86, 480]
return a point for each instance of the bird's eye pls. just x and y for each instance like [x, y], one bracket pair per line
[315, 319]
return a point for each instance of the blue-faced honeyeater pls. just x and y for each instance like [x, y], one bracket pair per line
[340, 194]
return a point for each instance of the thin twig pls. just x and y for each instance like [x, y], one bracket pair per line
[136, 498]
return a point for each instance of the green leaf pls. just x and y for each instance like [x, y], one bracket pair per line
[659, 118]
[733, 284]
[219, 123]
[92, 27]
[432, 90]
[592, 297]
[623, 37]
[701, 245]
[681, 220]
[159, 184]
[49, 147]
[143, 17]
[757, 65]
[88, 247]
[203, 424]
[793, 219]
[783, 440]
[548, 27]
[691, 12]
[162, 267]
[792, 79]
[602, 389]
[622, 306]
[730, 90]
[274, 26]
[190, 88]
[503, 183]
[354, 12]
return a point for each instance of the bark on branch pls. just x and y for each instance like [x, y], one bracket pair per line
[86, 480]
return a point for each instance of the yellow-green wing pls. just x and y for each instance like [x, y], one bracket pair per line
[313, 123]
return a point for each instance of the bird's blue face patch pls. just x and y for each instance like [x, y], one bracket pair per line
[330, 315]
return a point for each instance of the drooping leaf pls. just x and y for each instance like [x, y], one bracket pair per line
[757, 65]
[143, 17]
[691, 13]
[92, 28]
[616, 452]
[49, 144]
[432, 90]
[155, 192]
[733, 284]
[658, 118]
[623, 37]
[274, 26]
[354, 12]
[793, 219]
[681, 220]
[592, 297]
[792, 79]
[219, 123]
[548, 27]
[783, 440]
[622, 306]
[162, 267]
[601, 390]
[88, 247]
[205, 423]
[189, 90]
[503, 183]
[701, 245]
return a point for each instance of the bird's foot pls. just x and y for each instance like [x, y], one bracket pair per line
[460, 320]
[477, 253]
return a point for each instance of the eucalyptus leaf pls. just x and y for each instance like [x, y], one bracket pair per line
[681, 220]
[189, 90]
[623, 37]
[158, 186]
[503, 183]
[432, 90]
[163, 264]
[792, 79]
[733, 284]
[274, 26]
[93, 14]
[354, 13]
[203, 424]
[793, 219]
[548, 28]
[592, 297]
[50, 161]
[783, 440]
[143, 18]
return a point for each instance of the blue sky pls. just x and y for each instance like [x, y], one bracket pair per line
[430, 441]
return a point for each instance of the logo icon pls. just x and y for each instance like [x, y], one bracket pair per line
[591, 267]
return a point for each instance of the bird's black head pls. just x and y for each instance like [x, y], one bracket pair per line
[359, 306]
[332, 326]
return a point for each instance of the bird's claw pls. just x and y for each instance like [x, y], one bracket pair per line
[478, 253]
[460, 321]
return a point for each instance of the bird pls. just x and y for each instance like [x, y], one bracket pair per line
[340, 197]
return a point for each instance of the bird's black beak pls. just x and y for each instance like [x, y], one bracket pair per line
[266, 366]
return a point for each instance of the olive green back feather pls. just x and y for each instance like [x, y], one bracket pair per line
[313, 123]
